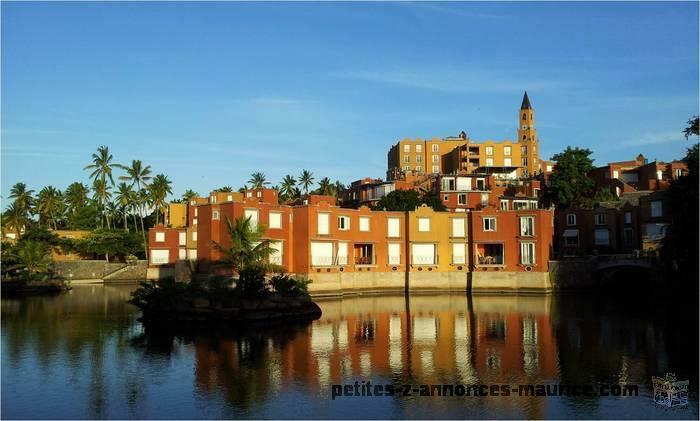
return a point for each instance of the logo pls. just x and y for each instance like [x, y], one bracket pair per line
[670, 392]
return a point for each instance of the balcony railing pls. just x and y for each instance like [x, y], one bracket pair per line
[365, 260]
[490, 260]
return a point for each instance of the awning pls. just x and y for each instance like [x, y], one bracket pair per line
[570, 233]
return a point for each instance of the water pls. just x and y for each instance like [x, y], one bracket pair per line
[84, 355]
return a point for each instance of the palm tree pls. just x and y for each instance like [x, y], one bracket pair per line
[339, 188]
[15, 217]
[306, 179]
[159, 189]
[101, 194]
[258, 180]
[287, 185]
[49, 205]
[325, 187]
[102, 170]
[248, 248]
[33, 256]
[189, 195]
[125, 198]
[75, 197]
[224, 189]
[22, 197]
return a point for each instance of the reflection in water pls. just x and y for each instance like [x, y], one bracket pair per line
[88, 357]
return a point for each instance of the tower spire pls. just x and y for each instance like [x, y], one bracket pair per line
[526, 103]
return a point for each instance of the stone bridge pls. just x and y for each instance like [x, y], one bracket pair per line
[609, 261]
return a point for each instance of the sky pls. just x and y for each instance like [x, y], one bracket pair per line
[208, 93]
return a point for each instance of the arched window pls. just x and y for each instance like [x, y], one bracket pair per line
[524, 116]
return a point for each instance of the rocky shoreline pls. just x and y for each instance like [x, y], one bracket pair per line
[11, 288]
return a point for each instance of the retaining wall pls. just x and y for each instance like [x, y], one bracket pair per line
[82, 270]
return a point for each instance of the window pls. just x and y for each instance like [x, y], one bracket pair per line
[251, 214]
[393, 227]
[527, 253]
[196, 211]
[519, 204]
[523, 149]
[407, 158]
[458, 227]
[419, 148]
[506, 150]
[194, 221]
[407, 148]
[628, 217]
[459, 255]
[212, 199]
[571, 219]
[194, 236]
[628, 236]
[504, 205]
[600, 219]
[489, 150]
[419, 168]
[601, 237]
[342, 255]
[656, 209]
[436, 158]
[394, 253]
[678, 172]
[423, 224]
[423, 254]
[215, 215]
[524, 117]
[484, 199]
[160, 237]
[527, 226]
[160, 257]
[364, 223]
[343, 223]
[275, 220]
[549, 168]
[419, 158]
[436, 147]
[489, 162]
[407, 168]
[436, 169]
[275, 252]
[182, 238]
[445, 198]
[524, 161]
[182, 254]
[659, 175]
[489, 224]
[192, 254]
[229, 198]
[462, 199]
[571, 238]
[321, 253]
[616, 174]
[323, 223]
[507, 162]
[249, 194]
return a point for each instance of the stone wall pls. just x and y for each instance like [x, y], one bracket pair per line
[81, 270]
[573, 274]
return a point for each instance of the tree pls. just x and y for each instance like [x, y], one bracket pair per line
[570, 183]
[159, 190]
[49, 205]
[287, 186]
[125, 200]
[101, 171]
[75, 197]
[22, 197]
[16, 217]
[189, 195]
[693, 128]
[101, 195]
[32, 256]
[306, 180]
[258, 180]
[408, 200]
[325, 187]
[248, 247]
[138, 175]
[109, 243]
[224, 189]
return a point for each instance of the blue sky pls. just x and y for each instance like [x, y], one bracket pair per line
[208, 93]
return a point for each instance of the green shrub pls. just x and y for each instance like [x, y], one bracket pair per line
[251, 282]
[159, 296]
[290, 285]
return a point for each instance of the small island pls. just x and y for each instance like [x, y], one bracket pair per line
[260, 294]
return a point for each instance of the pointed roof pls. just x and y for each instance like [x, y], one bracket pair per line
[526, 103]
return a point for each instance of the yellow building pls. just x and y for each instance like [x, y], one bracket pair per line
[461, 155]
[177, 215]
[438, 240]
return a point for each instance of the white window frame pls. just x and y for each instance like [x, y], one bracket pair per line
[194, 235]
[406, 148]
[182, 253]
[436, 159]
[275, 220]
[527, 253]
[215, 215]
[489, 151]
[462, 199]
[160, 237]
[182, 238]
[507, 162]
[527, 226]
[488, 223]
[423, 224]
[507, 151]
[393, 227]
[419, 148]
[601, 218]
[504, 202]
[323, 223]
[364, 224]
[489, 162]
[570, 219]
[159, 257]
[459, 227]
[321, 259]
[436, 147]
[341, 255]
[254, 216]
[459, 253]
[421, 258]
[394, 253]
[343, 223]
[436, 169]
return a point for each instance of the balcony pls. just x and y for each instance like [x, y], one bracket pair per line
[489, 255]
[364, 254]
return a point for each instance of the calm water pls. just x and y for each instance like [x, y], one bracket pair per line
[84, 355]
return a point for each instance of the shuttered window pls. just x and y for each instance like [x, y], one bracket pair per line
[458, 227]
[423, 254]
[393, 227]
[394, 253]
[160, 257]
[321, 253]
[459, 254]
[323, 223]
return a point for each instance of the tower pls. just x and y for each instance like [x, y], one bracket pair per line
[527, 138]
